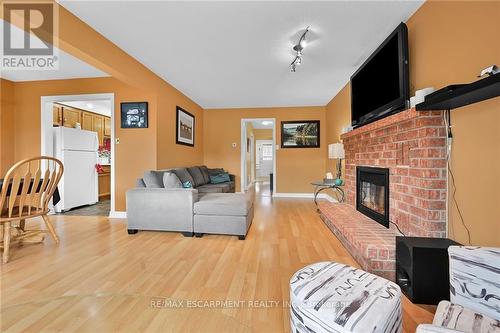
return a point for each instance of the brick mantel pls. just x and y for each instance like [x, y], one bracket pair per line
[413, 146]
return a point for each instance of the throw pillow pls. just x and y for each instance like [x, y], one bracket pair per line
[198, 178]
[187, 184]
[170, 180]
[183, 175]
[204, 172]
[220, 178]
[153, 179]
[214, 172]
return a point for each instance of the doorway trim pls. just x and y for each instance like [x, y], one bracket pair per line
[46, 124]
[243, 145]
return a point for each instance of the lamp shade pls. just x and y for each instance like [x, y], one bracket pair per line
[336, 150]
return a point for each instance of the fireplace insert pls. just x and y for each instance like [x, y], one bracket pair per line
[372, 193]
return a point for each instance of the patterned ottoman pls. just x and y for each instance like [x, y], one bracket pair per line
[332, 297]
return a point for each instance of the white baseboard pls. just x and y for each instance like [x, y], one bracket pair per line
[117, 215]
[304, 196]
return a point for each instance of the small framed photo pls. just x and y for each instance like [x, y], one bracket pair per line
[300, 134]
[134, 114]
[185, 127]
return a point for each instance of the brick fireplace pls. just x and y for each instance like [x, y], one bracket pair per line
[412, 146]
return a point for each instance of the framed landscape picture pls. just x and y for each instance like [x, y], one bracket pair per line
[134, 114]
[300, 134]
[185, 127]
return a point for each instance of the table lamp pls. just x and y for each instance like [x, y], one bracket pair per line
[336, 151]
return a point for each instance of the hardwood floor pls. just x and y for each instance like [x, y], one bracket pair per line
[100, 279]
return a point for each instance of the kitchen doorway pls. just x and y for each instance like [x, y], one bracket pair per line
[81, 128]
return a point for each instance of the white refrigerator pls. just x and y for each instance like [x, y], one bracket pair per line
[77, 149]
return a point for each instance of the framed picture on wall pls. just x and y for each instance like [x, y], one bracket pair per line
[134, 114]
[185, 127]
[300, 134]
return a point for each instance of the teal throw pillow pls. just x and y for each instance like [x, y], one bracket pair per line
[187, 184]
[219, 178]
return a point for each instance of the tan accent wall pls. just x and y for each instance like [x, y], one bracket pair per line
[295, 167]
[6, 125]
[450, 42]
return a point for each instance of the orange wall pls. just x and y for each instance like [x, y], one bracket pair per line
[157, 142]
[296, 167]
[338, 116]
[137, 149]
[450, 42]
[6, 125]
[169, 153]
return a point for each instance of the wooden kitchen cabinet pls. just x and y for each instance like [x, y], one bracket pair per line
[105, 183]
[57, 112]
[87, 121]
[68, 116]
[99, 127]
[107, 126]
[71, 117]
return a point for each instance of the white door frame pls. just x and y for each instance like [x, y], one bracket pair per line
[243, 145]
[47, 121]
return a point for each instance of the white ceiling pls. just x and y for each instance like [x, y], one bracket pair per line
[97, 106]
[69, 66]
[258, 124]
[237, 54]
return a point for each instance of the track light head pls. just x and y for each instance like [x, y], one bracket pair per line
[298, 51]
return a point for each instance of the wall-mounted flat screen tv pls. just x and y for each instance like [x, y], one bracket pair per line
[380, 87]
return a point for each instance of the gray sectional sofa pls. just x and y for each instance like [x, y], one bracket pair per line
[205, 208]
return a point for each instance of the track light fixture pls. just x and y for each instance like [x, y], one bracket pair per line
[298, 51]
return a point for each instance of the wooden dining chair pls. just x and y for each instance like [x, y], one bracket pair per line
[26, 192]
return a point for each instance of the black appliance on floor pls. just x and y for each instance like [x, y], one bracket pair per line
[271, 182]
[422, 268]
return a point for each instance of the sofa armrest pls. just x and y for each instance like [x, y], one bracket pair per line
[474, 276]
[161, 209]
[232, 177]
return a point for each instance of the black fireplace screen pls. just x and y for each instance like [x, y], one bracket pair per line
[372, 193]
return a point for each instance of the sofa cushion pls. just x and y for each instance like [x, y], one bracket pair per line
[170, 180]
[153, 178]
[225, 187]
[223, 204]
[204, 172]
[183, 175]
[208, 188]
[140, 183]
[198, 178]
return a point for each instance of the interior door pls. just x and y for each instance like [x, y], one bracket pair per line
[264, 158]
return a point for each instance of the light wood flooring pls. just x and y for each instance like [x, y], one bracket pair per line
[100, 279]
